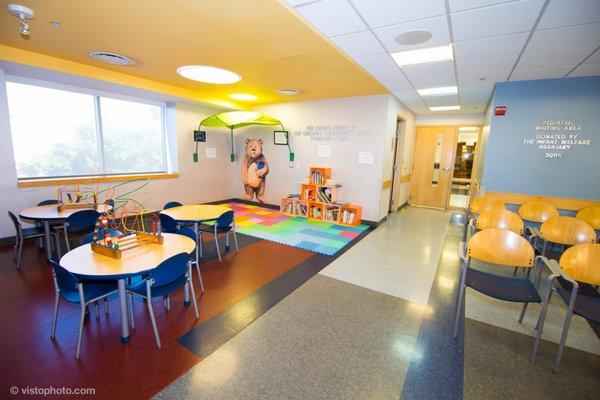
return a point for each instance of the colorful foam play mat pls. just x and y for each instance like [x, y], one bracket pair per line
[317, 236]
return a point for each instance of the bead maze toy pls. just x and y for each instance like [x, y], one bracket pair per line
[75, 197]
[114, 246]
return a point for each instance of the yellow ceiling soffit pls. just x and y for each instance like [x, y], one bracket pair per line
[30, 58]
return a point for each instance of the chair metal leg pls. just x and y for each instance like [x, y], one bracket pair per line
[151, 310]
[460, 301]
[16, 247]
[217, 246]
[200, 242]
[80, 334]
[54, 316]
[19, 253]
[193, 292]
[130, 306]
[58, 249]
[67, 239]
[565, 331]
[523, 310]
[235, 240]
[540, 323]
[199, 277]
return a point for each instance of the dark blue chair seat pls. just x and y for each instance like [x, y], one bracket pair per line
[501, 287]
[210, 228]
[92, 290]
[167, 224]
[586, 306]
[157, 291]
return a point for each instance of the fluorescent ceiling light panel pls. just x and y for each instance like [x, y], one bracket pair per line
[438, 91]
[445, 108]
[423, 56]
[243, 96]
[208, 74]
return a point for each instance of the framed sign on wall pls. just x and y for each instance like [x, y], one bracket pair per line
[280, 138]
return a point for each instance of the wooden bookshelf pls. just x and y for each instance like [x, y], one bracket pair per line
[317, 198]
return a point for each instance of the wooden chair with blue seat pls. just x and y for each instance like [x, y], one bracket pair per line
[499, 218]
[22, 234]
[224, 224]
[578, 265]
[172, 274]
[476, 207]
[189, 232]
[504, 248]
[535, 213]
[79, 223]
[564, 231]
[167, 224]
[76, 291]
[171, 204]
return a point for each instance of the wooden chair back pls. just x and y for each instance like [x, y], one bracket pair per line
[568, 231]
[590, 215]
[501, 246]
[502, 219]
[537, 211]
[582, 263]
[484, 203]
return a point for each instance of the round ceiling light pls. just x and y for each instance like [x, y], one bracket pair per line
[413, 37]
[208, 74]
[289, 91]
[243, 96]
[111, 58]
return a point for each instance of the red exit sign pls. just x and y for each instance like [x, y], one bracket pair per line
[500, 110]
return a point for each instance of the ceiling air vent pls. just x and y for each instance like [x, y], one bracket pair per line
[111, 58]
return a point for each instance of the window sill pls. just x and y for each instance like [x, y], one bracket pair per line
[91, 179]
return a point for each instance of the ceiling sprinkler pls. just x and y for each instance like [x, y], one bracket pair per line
[24, 14]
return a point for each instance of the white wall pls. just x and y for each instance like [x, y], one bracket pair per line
[361, 182]
[198, 182]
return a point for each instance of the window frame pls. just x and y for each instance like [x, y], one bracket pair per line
[165, 172]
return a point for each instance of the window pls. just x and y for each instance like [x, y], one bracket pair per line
[59, 133]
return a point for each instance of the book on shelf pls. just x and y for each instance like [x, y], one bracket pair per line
[347, 217]
[341, 203]
[324, 195]
[332, 214]
[315, 212]
[301, 209]
[317, 178]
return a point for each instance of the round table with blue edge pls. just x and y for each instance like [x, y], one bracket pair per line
[87, 264]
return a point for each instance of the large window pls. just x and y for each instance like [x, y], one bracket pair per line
[59, 133]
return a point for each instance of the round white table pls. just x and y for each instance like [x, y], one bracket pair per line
[48, 214]
[85, 263]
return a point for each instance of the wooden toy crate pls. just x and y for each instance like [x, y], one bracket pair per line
[127, 243]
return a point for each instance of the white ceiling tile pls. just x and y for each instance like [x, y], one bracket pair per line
[486, 65]
[499, 46]
[586, 69]
[539, 73]
[388, 12]
[332, 17]
[358, 44]
[461, 5]
[475, 93]
[561, 58]
[500, 19]
[438, 26]
[439, 70]
[437, 101]
[409, 97]
[489, 78]
[564, 38]
[376, 62]
[295, 3]
[424, 82]
[393, 79]
[570, 12]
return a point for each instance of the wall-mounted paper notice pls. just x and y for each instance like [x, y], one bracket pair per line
[211, 152]
[324, 151]
[365, 157]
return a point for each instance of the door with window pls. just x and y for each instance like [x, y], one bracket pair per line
[432, 166]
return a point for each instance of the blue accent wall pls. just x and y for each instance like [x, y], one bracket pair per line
[511, 166]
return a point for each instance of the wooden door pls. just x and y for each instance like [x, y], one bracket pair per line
[432, 165]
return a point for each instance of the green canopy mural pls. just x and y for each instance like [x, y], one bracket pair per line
[238, 119]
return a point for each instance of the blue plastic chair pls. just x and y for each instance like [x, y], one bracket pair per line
[224, 224]
[504, 244]
[27, 233]
[90, 236]
[172, 204]
[172, 274]
[167, 224]
[75, 291]
[189, 232]
[78, 223]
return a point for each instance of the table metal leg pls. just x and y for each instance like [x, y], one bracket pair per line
[123, 304]
[47, 237]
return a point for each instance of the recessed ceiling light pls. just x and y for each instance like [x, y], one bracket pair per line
[111, 58]
[208, 74]
[413, 37]
[243, 96]
[445, 108]
[439, 91]
[55, 24]
[289, 91]
[423, 56]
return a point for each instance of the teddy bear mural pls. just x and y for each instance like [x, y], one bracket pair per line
[254, 170]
